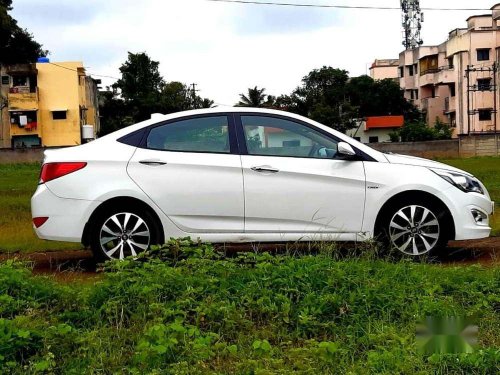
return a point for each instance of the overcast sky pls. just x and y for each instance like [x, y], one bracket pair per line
[226, 48]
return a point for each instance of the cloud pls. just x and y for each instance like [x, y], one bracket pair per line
[255, 20]
[226, 48]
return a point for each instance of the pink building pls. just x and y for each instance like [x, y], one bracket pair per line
[456, 81]
[384, 68]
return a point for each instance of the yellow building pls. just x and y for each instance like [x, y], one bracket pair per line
[47, 105]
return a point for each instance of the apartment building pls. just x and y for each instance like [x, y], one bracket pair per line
[384, 69]
[47, 105]
[456, 81]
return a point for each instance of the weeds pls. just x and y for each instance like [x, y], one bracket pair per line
[188, 308]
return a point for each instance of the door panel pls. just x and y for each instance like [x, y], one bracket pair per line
[306, 195]
[296, 181]
[187, 169]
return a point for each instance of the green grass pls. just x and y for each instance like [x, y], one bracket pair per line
[18, 182]
[487, 169]
[186, 309]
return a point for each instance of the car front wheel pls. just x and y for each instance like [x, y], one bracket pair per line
[414, 229]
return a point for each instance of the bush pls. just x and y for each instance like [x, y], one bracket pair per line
[418, 131]
[186, 308]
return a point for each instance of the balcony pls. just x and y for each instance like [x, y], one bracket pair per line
[446, 74]
[428, 78]
[22, 98]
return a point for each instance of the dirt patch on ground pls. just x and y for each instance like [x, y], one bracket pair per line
[79, 265]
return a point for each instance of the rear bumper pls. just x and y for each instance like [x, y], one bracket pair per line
[67, 217]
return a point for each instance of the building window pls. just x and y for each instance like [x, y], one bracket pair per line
[416, 94]
[484, 115]
[453, 119]
[5, 80]
[373, 139]
[59, 115]
[401, 71]
[410, 70]
[20, 81]
[412, 94]
[484, 84]
[452, 90]
[450, 62]
[483, 54]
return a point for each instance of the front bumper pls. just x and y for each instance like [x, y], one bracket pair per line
[466, 227]
[67, 217]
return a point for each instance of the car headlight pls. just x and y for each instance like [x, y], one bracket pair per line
[464, 182]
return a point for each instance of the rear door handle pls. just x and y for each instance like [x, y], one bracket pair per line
[153, 162]
[265, 168]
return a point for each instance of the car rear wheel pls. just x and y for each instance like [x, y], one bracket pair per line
[414, 229]
[118, 234]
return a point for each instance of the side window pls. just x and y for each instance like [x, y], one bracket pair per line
[270, 136]
[207, 134]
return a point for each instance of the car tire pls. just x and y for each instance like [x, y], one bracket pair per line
[413, 228]
[119, 233]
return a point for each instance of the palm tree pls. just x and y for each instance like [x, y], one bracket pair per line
[254, 98]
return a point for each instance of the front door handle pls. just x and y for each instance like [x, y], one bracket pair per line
[153, 162]
[264, 169]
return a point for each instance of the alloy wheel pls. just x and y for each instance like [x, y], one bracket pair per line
[414, 230]
[124, 234]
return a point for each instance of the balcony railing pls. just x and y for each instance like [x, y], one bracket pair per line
[437, 70]
[22, 90]
[23, 100]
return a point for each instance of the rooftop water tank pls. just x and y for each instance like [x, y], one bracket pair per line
[43, 60]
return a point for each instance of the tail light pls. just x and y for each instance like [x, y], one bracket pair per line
[39, 221]
[51, 171]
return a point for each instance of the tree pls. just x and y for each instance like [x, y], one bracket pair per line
[17, 45]
[322, 97]
[254, 98]
[141, 85]
[379, 98]
[418, 131]
[141, 91]
[113, 111]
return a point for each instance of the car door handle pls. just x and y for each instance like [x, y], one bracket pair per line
[153, 162]
[265, 168]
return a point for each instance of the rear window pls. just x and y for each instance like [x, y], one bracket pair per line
[206, 134]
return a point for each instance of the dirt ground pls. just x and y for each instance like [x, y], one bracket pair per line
[68, 266]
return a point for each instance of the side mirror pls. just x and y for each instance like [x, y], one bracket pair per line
[345, 149]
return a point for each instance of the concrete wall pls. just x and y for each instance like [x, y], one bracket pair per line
[28, 155]
[485, 145]
[429, 150]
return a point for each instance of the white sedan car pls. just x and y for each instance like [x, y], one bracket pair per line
[249, 175]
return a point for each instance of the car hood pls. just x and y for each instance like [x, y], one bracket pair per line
[421, 162]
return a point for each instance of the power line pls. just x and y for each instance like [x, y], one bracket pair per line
[304, 5]
[75, 70]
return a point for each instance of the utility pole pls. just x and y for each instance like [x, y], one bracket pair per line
[412, 23]
[194, 97]
[467, 72]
